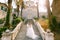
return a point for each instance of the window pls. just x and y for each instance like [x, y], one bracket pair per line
[5, 9]
[1, 7]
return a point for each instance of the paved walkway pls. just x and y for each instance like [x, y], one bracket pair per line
[36, 32]
[22, 33]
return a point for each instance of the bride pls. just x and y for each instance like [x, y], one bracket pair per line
[30, 32]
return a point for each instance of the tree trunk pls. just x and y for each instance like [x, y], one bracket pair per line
[7, 23]
[21, 12]
[37, 11]
[22, 6]
[17, 10]
[48, 11]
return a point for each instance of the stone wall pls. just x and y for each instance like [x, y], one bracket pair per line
[46, 35]
[56, 9]
[11, 35]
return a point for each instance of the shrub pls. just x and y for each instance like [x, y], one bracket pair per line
[2, 30]
[54, 23]
[54, 20]
[55, 26]
[43, 17]
[2, 20]
[22, 19]
[58, 27]
[36, 18]
[14, 16]
[16, 21]
[52, 27]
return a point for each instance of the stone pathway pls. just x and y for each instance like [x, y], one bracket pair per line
[36, 32]
[22, 33]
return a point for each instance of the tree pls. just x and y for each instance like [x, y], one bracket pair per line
[19, 3]
[7, 23]
[37, 10]
[48, 11]
[22, 6]
[17, 10]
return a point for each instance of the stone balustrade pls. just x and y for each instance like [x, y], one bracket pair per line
[16, 30]
[45, 35]
[11, 35]
[49, 35]
[6, 36]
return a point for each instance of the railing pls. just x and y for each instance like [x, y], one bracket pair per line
[11, 35]
[45, 35]
[16, 30]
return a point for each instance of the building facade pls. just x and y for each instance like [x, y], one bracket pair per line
[3, 10]
[30, 11]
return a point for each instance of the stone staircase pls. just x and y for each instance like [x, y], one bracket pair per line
[22, 34]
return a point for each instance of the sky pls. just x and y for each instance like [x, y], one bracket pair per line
[41, 4]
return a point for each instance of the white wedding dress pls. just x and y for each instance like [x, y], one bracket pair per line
[30, 32]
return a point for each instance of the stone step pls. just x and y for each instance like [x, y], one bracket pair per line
[22, 34]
